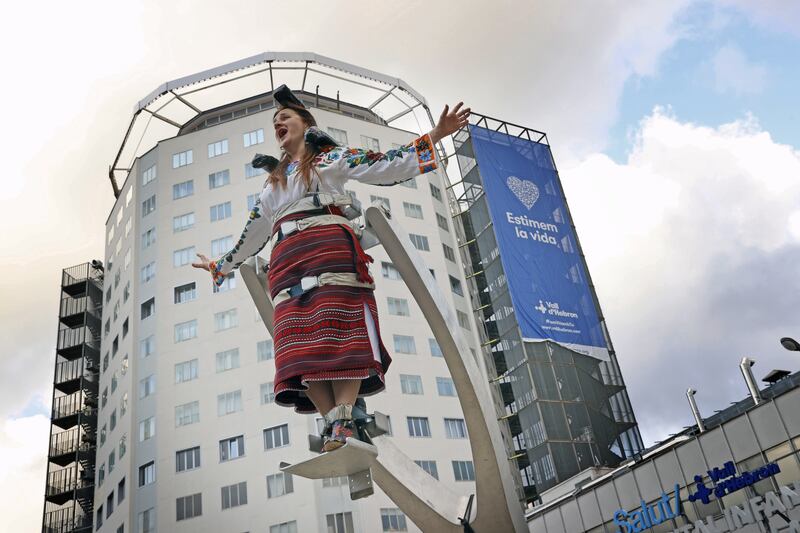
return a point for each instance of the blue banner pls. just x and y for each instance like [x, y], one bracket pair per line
[538, 249]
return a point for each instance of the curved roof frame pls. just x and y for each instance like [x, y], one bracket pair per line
[171, 102]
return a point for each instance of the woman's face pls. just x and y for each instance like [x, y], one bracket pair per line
[289, 129]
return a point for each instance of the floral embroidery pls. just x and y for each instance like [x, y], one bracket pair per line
[216, 266]
[425, 156]
[216, 275]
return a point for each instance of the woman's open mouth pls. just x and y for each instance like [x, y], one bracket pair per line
[282, 132]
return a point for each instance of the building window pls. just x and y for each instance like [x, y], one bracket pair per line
[147, 474]
[221, 246]
[114, 383]
[445, 386]
[340, 522]
[182, 189]
[225, 320]
[279, 484]
[339, 481]
[420, 242]
[147, 428]
[112, 423]
[436, 192]
[121, 491]
[276, 437]
[147, 521]
[398, 306]
[284, 527]
[251, 172]
[227, 284]
[234, 495]
[123, 404]
[148, 175]
[411, 184]
[129, 223]
[418, 426]
[267, 393]
[187, 459]
[218, 148]
[455, 428]
[148, 271]
[105, 362]
[99, 517]
[229, 403]
[449, 254]
[147, 347]
[253, 137]
[148, 308]
[188, 413]
[404, 344]
[148, 238]
[340, 136]
[265, 350]
[219, 179]
[410, 384]
[115, 346]
[189, 507]
[185, 331]
[393, 520]
[455, 286]
[463, 471]
[103, 433]
[185, 293]
[126, 292]
[181, 159]
[220, 211]
[147, 386]
[370, 143]
[442, 221]
[429, 467]
[183, 256]
[186, 371]
[227, 360]
[463, 319]
[149, 205]
[252, 199]
[125, 328]
[412, 210]
[381, 199]
[182, 222]
[389, 271]
[232, 448]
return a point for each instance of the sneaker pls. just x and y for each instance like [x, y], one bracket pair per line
[340, 431]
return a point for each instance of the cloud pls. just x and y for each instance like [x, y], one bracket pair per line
[769, 14]
[733, 72]
[693, 254]
[23, 469]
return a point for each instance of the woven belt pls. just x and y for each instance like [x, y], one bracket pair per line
[293, 226]
[328, 278]
[317, 200]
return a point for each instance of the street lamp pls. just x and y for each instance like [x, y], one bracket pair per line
[790, 344]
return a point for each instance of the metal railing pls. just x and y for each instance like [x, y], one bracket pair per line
[69, 370]
[65, 521]
[71, 404]
[69, 441]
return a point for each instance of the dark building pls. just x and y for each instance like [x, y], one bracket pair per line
[566, 411]
[69, 490]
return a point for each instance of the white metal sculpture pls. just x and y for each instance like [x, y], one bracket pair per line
[425, 500]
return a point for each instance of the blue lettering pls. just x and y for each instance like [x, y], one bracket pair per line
[620, 520]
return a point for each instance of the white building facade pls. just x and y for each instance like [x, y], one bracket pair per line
[189, 436]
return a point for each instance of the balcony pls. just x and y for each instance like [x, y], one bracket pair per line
[74, 280]
[68, 376]
[68, 409]
[71, 341]
[65, 484]
[66, 521]
[67, 446]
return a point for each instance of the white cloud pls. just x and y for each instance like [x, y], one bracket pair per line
[733, 72]
[23, 469]
[769, 14]
[691, 247]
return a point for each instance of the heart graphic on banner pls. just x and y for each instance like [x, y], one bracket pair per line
[526, 191]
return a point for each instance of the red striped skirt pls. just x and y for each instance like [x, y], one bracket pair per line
[324, 334]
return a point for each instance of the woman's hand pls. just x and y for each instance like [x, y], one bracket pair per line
[203, 263]
[449, 122]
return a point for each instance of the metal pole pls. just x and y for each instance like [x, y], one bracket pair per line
[695, 411]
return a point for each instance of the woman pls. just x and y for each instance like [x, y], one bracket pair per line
[328, 349]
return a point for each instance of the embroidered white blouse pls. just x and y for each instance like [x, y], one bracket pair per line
[335, 167]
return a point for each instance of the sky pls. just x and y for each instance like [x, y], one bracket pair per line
[673, 124]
